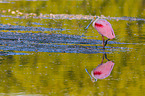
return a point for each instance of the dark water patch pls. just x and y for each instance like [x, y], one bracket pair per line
[43, 42]
[6, 53]
[24, 28]
[49, 38]
[4, 2]
[35, 23]
[53, 48]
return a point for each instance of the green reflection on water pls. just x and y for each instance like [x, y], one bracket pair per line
[64, 73]
[131, 8]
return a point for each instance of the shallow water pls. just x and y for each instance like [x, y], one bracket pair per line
[45, 49]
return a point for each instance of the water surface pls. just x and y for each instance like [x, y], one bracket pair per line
[45, 49]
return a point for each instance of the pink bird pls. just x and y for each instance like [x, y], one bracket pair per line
[104, 28]
[102, 71]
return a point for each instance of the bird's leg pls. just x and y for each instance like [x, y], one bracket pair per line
[102, 59]
[106, 57]
[103, 42]
[106, 42]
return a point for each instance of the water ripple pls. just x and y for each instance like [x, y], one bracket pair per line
[24, 28]
[42, 42]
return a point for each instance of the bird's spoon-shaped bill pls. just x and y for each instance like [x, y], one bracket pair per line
[93, 79]
[89, 24]
[92, 21]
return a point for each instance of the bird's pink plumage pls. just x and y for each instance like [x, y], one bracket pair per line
[104, 28]
[98, 25]
[103, 70]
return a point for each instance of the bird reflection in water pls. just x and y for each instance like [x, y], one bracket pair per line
[101, 71]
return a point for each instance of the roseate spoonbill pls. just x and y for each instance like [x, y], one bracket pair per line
[104, 28]
[101, 71]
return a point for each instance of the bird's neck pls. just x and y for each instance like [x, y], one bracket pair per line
[95, 22]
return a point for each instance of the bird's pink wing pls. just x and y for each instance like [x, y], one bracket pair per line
[104, 28]
[103, 70]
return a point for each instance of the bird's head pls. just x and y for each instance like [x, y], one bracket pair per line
[92, 78]
[96, 18]
[93, 20]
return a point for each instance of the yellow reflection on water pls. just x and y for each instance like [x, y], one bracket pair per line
[64, 73]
